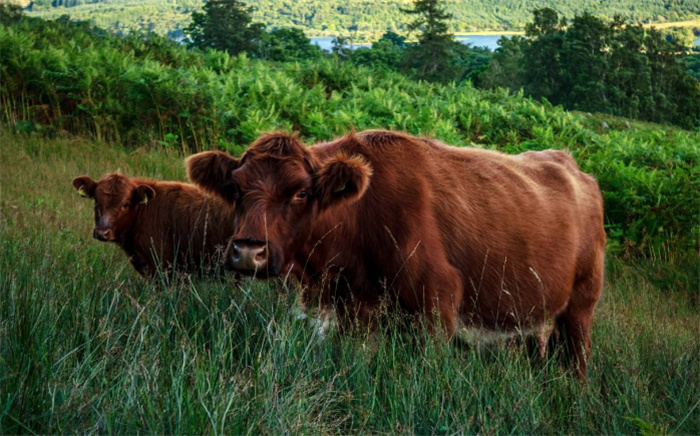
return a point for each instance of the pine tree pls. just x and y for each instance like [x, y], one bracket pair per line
[431, 57]
[225, 25]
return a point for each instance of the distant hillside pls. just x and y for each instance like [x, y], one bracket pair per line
[361, 18]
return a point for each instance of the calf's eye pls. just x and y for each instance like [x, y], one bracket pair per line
[125, 206]
[300, 195]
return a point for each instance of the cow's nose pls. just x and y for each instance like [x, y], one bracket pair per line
[247, 256]
[102, 234]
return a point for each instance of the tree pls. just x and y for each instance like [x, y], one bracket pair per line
[506, 67]
[629, 73]
[431, 57]
[286, 45]
[225, 25]
[600, 66]
[10, 14]
[545, 22]
[682, 36]
[341, 47]
[692, 61]
[394, 39]
[389, 52]
[676, 94]
[472, 62]
[584, 64]
[541, 55]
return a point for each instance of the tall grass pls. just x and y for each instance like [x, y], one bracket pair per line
[88, 346]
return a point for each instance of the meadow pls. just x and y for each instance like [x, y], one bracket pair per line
[88, 346]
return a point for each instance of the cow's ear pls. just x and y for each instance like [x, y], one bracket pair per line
[85, 186]
[211, 170]
[341, 178]
[143, 194]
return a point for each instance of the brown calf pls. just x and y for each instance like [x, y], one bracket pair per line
[159, 224]
[486, 243]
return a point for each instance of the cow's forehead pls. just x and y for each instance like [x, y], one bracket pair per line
[274, 172]
[113, 186]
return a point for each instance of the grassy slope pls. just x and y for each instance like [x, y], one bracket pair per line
[86, 345]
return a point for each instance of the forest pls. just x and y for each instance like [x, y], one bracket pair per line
[87, 345]
[361, 19]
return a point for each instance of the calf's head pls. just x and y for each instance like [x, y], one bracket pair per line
[117, 199]
[279, 188]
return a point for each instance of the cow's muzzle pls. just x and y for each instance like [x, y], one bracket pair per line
[246, 256]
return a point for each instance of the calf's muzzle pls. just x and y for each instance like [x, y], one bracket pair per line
[103, 234]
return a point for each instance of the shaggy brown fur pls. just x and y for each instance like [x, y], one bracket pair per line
[470, 237]
[159, 224]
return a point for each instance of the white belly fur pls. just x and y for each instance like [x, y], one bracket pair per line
[477, 336]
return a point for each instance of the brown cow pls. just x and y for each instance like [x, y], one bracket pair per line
[166, 224]
[485, 242]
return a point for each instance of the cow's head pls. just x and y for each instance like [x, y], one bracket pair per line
[280, 188]
[117, 199]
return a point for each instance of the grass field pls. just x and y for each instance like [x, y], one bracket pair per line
[687, 23]
[694, 24]
[87, 346]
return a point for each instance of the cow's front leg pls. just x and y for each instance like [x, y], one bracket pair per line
[438, 296]
[444, 301]
[312, 306]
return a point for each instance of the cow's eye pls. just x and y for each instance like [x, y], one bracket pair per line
[125, 206]
[300, 195]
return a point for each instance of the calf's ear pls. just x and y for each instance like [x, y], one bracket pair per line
[341, 179]
[211, 171]
[143, 194]
[85, 186]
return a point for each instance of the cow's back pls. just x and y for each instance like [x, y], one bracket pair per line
[182, 227]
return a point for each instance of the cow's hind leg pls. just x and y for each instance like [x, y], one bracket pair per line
[576, 320]
[436, 294]
[444, 300]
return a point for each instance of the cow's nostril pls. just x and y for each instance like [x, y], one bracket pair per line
[100, 234]
[236, 254]
[261, 256]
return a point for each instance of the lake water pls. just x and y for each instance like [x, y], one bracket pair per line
[326, 43]
[489, 41]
